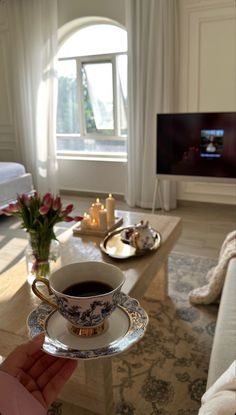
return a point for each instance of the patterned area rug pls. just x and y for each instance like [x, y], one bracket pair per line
[166, 372]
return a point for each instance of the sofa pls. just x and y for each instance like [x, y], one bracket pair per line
[13, 180]
[220, 396]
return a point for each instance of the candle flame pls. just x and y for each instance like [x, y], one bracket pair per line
[97, 200]
[85, 214]
[110, 195]
[93, 221]
[102, 207]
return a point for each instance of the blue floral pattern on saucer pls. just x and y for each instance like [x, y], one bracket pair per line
[129, 312]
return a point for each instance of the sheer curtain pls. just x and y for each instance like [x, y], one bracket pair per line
[152, 74]
[33, 48]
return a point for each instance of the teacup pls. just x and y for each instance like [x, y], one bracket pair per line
[85, 293]
[142, 238]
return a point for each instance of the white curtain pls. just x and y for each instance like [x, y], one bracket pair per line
[33, 48]
[152, 74]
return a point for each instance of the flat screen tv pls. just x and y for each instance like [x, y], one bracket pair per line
[197, 145]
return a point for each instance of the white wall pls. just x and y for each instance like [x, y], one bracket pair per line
[207, 83]
[207, 75]
[92, 176]
[72, 9]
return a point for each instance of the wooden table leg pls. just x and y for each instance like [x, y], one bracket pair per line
[91, 388]
[159, 285]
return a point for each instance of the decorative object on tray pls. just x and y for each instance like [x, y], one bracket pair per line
[100, 220]
[131, 241]
[38, 216]
[78, 230]
[140, 236]
[127, 325]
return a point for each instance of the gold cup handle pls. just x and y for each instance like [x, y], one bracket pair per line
[41, 295]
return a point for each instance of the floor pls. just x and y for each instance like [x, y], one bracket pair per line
[205, 226]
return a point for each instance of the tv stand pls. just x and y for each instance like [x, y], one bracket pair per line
[157, 189]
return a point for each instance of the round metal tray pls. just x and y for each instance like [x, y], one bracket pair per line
[114, 246]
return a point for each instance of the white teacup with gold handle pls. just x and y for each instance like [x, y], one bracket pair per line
[85, 293]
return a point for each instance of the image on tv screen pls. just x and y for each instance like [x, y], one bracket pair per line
[196, 144]
[211, 143]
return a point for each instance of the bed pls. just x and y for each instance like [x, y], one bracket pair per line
[13, 180]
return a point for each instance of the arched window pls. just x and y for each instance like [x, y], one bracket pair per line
[92, 92]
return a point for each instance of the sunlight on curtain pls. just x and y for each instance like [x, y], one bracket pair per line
[33, 48]
[152, 74]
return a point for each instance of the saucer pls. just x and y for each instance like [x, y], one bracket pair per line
[126, 326]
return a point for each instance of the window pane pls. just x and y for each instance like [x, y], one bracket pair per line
[98, 97]
[95, 40]
[67, 104]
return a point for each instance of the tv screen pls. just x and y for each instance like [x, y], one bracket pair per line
[197, 144]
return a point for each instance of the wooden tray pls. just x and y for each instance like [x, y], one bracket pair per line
[77, 231]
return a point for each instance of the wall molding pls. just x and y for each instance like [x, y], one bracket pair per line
[3, 15]
[194, 16]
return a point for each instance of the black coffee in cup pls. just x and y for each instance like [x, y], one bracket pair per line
[88, 289]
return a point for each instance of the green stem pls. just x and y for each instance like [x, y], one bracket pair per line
[41, 248]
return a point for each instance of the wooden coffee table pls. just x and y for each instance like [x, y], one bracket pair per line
[91, 386]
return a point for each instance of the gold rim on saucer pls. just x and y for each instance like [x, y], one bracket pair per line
[127, 325]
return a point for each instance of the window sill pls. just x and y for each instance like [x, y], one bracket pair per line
[93, 157]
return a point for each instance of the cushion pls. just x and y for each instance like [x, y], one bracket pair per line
[220, 398]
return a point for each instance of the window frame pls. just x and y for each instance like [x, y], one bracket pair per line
[80, 60]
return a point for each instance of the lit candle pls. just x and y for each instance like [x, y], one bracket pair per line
[85, 223]
[103, 218]
[91, 211]
[110, 207]
[96, 208]
[93, 224]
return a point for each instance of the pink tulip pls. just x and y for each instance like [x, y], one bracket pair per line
[56, 203]
[6, 212]
[69, 208]
[47, 200]
[13, 207]
[43, 210]
[78, 218]
[68, 219]
[25, 199]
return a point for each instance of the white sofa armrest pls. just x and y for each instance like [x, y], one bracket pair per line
[224, 345]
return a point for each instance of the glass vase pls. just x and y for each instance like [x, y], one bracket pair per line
[42, 256]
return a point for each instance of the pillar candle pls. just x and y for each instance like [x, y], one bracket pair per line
[93, 224]
[91, 212]
[85, 223]
[96, 208]
[110, 207]
[103, 218]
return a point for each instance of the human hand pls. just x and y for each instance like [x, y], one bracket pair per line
[41, 374]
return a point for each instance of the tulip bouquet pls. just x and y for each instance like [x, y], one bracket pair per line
[38, 216]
